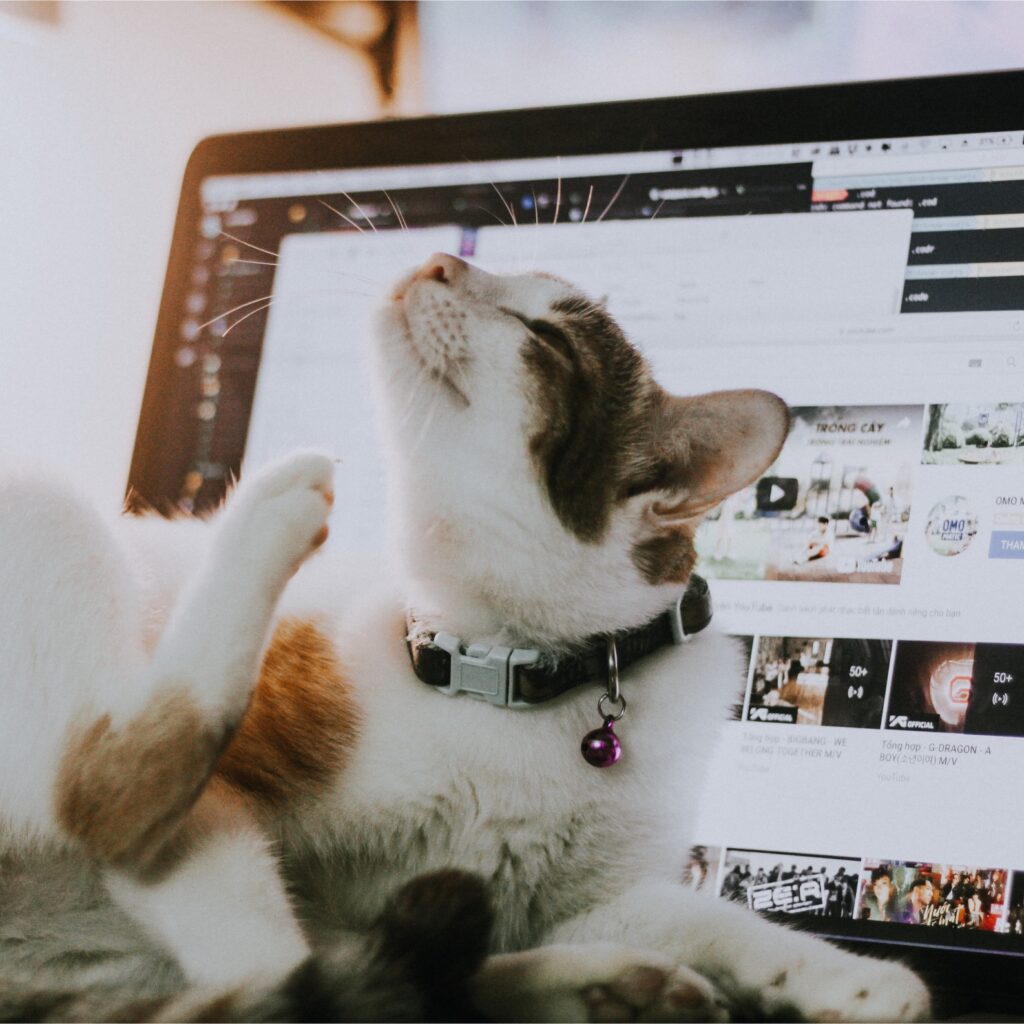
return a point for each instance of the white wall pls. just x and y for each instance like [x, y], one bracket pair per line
[97, 118]
[521, 53]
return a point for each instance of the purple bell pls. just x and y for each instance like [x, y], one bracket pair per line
[601, 748]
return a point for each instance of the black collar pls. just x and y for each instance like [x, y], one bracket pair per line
[518, 677]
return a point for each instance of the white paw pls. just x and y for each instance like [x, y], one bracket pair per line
[848, 988]
[648, 992]
[595, 982]
[279, 516]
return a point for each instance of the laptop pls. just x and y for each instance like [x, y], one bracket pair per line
[859, 249]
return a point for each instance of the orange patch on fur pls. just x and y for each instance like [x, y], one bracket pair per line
[123, 793]
[302, 721]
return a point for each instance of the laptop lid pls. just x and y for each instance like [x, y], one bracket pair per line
[858, 249]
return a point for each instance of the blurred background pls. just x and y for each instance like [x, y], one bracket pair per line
[102, 103]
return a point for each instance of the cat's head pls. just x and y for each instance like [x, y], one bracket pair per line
[549, 488]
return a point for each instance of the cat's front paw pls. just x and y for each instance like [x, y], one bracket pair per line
[847, 989]
[279, 516]
[645, 991]
[595, 982]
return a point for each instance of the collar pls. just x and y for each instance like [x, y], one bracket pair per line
[519, 677]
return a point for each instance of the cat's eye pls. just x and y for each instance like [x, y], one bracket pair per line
[547, 333]
[553, 336]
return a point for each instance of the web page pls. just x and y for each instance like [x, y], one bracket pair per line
[872, 574]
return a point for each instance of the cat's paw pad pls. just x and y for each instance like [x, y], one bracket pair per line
[595, 982]
[280, 514]
[864, 990]
[649, 993]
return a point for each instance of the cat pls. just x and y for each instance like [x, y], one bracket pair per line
[254, 767]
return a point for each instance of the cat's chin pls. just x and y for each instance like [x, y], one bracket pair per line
[395, 345]
[392, 323]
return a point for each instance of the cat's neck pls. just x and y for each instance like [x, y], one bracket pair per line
[517, 592]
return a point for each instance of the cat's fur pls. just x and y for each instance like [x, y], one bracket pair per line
[547, 490]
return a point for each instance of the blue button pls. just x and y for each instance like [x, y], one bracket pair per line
[1006, 544]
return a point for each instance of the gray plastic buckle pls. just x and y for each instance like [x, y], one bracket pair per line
[484, 672]
[675, 617]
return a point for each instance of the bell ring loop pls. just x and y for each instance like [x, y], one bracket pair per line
[620, 700]
[614, 692]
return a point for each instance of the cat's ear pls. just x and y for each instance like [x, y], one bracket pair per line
[707, 447]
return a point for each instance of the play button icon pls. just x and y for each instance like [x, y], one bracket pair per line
[776, 493]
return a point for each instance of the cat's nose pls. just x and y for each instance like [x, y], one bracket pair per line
[441, 267]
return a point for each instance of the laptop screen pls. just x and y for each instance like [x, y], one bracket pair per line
[877, 284]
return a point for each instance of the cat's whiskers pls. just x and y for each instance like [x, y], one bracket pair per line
[428, 421]
[491, 213]
[273, 295]
[558, 190]
[234, 309]
[241, 241]
[421, 379]
[586, 209]
[253, 312]
[536, 224]
[398, 212]
[429, 377]
[611, 202]
[508, 206]
[347, 220]
[362, 212]
[454, 364]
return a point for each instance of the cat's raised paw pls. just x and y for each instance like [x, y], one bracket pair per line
[304, 470]
[280, 514]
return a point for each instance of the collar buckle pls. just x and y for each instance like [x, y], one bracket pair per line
[675, 621]
[483, 671]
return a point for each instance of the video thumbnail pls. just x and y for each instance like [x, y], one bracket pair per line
[1013, 923]
[701, 867]
[819, 681]
[957, 688]
[933, 895]
[833, 507]
[985, 434]
[746, 645]
[791, 883]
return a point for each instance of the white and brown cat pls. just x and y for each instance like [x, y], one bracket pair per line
[242, 770]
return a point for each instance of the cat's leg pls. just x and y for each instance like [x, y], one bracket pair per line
[131, 771]
[214, 898]
[209, 888]
[758, 966]
[111, 748]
